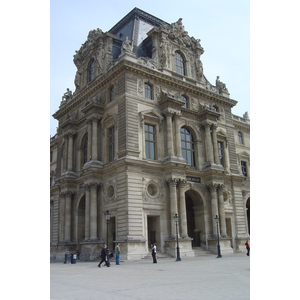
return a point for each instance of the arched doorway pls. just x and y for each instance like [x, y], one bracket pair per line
[81, 222]
[195, 218]
[248, 213]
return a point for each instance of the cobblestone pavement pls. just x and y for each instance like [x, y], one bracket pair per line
[205, 277]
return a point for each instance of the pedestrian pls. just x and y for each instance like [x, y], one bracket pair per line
[247, 247]
[117, 252]
[104, 257]
[154, 253]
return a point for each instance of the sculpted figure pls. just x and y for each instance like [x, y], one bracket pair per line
[220, 85]
[126, 45]
[67, 95]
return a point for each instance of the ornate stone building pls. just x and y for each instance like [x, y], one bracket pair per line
[145, 136]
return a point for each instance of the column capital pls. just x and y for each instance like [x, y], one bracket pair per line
[212, 187]
[94, 185]
[221, 187]
[67, 194]
[182, 183]
[172, 181]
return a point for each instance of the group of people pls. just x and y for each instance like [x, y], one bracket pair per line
[105, 255]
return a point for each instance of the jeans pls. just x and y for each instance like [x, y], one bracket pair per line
[117, 259]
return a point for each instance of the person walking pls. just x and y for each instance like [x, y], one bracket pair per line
[247, 247]
[104, 257]
[154, 254]
[117, 252]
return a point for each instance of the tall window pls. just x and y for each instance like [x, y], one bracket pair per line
[85, 150]
[221, 153]
[244, 168]
[240, 137]
[91, 70]
[148, 91]
[111, 144]
[111, 94]
[187, 146]
[150, 141]
[179, 64]
[185, 105]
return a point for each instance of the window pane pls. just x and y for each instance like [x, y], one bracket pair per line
[150, 141]
[187, 146]
[179, 64]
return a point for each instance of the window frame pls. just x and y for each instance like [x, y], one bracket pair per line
[179, 62]
[91, 70]
[148, 91]
[150, 152]
[111, 143]
[189, 151]
[244, 168]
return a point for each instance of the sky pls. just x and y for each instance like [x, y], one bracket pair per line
[222, 26]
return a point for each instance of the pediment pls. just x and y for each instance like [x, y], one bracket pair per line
[151, 114]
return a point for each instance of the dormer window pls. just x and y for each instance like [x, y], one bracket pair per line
[91, 71]
[179, 64]
[185, 105]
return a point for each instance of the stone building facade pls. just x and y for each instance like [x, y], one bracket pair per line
[145, 136]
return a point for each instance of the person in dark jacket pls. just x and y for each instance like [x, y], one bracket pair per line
[104, 257]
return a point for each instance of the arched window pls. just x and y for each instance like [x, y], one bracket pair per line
[179, 64]
[187, 146]
[148, 91]
[91, 71]
[85, 150]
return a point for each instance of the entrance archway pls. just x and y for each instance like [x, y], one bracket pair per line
[81, 222]
[248, 214]
[195, 217]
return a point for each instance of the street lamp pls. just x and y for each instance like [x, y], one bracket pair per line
[178, 253]
[219, 251]
[107, 217]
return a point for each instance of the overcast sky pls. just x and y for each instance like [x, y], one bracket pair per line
[222, 26]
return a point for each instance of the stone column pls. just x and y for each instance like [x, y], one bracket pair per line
[87, 212]
[221, 210]
[177, 135]
[93, 211]
[68, 199]
[208, 143]
[173, 204]
[94, 141]
[70, 151]
[183, 220]
[169, 135]
[215, 144]
[89, 150]
[214, 206]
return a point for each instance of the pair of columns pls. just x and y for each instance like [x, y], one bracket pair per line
[170, 144]
[181, 183]
[217, 207]
[92, 142]
[211, 142]
[91, 212]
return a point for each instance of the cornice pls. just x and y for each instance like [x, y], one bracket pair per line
[124, 65]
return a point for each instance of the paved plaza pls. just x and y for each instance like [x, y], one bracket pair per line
[203, 277]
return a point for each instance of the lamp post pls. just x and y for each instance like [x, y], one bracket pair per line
[107, 217]
[176, 222]
[219, 251]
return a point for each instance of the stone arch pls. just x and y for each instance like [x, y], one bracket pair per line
[196, 215]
